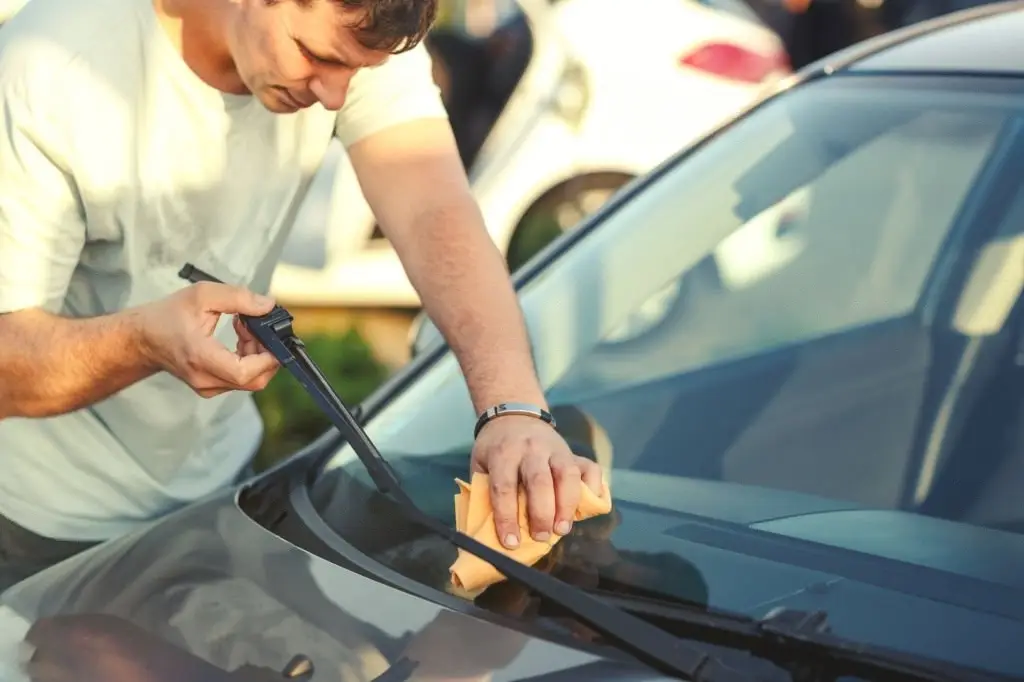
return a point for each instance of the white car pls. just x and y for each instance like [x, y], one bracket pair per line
[593, 106]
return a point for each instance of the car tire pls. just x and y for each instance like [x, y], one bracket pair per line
[559, 210]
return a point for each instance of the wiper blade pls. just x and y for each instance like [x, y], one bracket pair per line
[648, 643]
[798, 641]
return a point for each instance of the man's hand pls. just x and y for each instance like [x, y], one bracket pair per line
[178, 333]
[515, 448]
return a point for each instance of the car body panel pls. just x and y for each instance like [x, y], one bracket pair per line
[211, 583]
[990, 44]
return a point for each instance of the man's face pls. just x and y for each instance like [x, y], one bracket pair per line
[291, 57]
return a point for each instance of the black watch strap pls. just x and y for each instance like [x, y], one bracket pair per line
[502, 409]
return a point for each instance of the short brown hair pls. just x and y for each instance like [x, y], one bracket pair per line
[389, 25]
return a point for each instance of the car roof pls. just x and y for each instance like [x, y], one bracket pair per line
[986, 39]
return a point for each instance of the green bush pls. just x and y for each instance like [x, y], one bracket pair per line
[536, 232]
[291, 418]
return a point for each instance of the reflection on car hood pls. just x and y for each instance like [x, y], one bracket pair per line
[207, 591]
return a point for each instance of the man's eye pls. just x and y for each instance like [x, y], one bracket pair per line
[316, 59]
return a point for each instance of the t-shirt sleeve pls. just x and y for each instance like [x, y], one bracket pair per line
[400, 90]
[41, 229]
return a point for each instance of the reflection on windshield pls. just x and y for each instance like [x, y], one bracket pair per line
[760, 348]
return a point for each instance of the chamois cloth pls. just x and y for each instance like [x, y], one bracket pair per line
[475, 517]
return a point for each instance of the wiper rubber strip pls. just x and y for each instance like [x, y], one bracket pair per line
[650, 644]
[793, 640]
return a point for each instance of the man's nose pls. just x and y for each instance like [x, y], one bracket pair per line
[330, 90]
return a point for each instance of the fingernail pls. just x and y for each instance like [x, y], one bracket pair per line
[563, 527]
[542, 537]
[511, 541]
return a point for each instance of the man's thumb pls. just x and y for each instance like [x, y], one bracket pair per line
[230, 300]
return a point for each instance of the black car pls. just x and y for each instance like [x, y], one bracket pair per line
[797, 350]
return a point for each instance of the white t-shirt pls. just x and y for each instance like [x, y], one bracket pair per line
[117, 166]
[8, 8]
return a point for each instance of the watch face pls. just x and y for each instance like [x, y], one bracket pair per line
[512, 408]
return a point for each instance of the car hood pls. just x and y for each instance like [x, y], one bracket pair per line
[208, 594]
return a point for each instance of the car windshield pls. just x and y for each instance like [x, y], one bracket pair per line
[794, 351]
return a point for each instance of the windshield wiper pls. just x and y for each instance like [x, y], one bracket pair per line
[797, 641]
[648, 643]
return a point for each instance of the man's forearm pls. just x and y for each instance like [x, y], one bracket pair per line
[464, 285]
[52, 365]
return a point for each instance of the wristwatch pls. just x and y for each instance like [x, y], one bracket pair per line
[502, 409]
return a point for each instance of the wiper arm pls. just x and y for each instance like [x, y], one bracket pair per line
[274, 331]
[797, 641]
[648, 643]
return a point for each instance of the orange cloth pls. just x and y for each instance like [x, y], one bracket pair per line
[475, 517]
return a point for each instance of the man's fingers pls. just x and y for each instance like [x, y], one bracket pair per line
[255, 366]
[210, 386]
[250, 347]
[235, 372]
[229, 300]
[211, 392]
[567, 477]
[540, 496]
[504, 478]
[241, 330]
[261, 382]
[593, 477]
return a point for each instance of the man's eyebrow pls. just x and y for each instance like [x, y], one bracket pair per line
[319, 57]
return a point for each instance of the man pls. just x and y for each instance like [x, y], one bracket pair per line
[138, 135]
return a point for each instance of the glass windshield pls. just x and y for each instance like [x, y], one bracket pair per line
[794, 352]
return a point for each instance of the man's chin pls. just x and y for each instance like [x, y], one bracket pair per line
[276, 105]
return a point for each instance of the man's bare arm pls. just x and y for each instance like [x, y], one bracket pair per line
[412, 177]
[52, 365]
